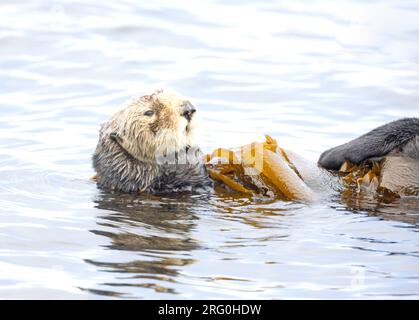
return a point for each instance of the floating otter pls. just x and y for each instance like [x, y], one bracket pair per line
[147, 147]
[385, 160]
[397, 138]
[393, 146]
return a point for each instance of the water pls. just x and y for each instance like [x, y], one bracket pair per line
[311, 74]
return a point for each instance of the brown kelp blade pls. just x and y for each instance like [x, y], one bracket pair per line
[244, 169]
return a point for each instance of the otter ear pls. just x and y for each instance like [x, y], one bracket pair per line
[115, 137]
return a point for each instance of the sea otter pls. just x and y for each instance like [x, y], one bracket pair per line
[147, 147]
[385, 160]
[395, 145]
[397, 138]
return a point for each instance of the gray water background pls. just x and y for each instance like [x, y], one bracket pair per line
[312, 74]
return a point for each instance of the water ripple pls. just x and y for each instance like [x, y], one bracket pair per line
[313, 76]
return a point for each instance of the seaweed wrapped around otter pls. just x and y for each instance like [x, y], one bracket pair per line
[258, 169]
[148, 147]
[265, 169]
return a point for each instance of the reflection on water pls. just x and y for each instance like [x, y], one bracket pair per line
[150, 226]
[311, 75]
[387, 207]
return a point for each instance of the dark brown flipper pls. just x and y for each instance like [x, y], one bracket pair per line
[374, 144]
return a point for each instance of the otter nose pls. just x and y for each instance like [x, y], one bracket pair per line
[188, 110]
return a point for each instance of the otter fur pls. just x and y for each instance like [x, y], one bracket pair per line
[399, 137]
[396, 144]
[147, 147]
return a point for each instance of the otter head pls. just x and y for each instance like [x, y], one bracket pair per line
[154, 125]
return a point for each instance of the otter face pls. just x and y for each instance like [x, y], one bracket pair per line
[154, 125]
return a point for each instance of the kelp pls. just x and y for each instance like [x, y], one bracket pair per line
[259, 169]
[265, 170]
[365, 177]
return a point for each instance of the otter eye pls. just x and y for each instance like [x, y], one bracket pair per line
[149, 113]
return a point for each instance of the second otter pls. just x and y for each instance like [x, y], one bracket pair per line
[395, 145]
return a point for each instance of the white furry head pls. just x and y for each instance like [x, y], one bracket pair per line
[152, 125]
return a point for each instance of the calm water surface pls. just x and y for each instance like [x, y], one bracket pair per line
[312, 74]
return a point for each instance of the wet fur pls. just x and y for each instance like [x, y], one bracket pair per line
[127, 155]
[400, 137]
